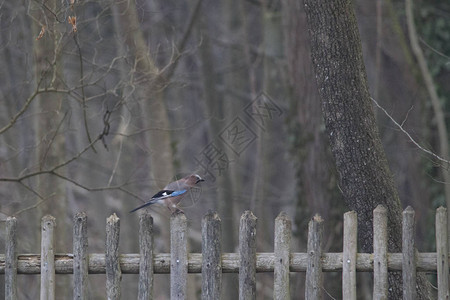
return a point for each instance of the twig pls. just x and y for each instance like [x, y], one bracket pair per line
[52, 12]
[44, 158]
[187, 33]
[328, 294]
[408, 135]
[434, 49]
[83, 95]
[98, 189]
[140, 131]
[42, 199]
[27, 104]
[32, 190]
[407, 114]
[20, 112]
[52, 170]
[119, 155]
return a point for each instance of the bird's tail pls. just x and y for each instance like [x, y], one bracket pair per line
[143, 205]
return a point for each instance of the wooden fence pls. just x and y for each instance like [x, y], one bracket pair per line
[211, 263]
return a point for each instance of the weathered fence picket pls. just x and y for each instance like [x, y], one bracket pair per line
[80, 257]
[442, 253]
[349, 256]
[145, 289]
[247, 259]
[11, 259]
[314, 277]
[409, 255]
[380, 259]
[179, 256]
[212, 263]
[48, 258]
[211, 257]
[282, 252]
[113, 271]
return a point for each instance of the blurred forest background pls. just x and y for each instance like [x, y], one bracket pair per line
[102, 103]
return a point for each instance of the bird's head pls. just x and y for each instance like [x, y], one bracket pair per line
[194, 179]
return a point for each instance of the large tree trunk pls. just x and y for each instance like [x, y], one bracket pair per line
[365, 178]
[305, 120]
[316, 184]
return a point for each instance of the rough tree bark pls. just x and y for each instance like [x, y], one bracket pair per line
[315, 184]
[315, 181]
[365, 178]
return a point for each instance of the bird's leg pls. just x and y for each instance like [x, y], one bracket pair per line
[174, 209]
[178, 211]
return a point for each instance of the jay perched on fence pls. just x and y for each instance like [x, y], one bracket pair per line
[173, 193]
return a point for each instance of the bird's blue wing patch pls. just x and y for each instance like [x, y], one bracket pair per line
[168, 193]
[177, 193]
[163, 193]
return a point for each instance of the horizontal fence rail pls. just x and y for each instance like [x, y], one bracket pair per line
[265, 262]
[211, 263]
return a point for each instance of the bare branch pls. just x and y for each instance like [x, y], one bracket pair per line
[140, 131]
[52, 170]
[51, 141]
[32, 190]
[443, 160]
[27, 103]
[20, 112]
[185, 37]
[407, 114]
[83, 96]
[97, 189]
[42, 199]
[434, 49]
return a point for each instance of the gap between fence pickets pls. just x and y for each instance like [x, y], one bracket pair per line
[265, 262]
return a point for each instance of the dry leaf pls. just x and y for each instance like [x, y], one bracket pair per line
[41, 34]
[73, 22]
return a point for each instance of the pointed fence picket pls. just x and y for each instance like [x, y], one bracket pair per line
[211, 263]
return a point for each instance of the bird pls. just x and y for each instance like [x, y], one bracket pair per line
[173, 193]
